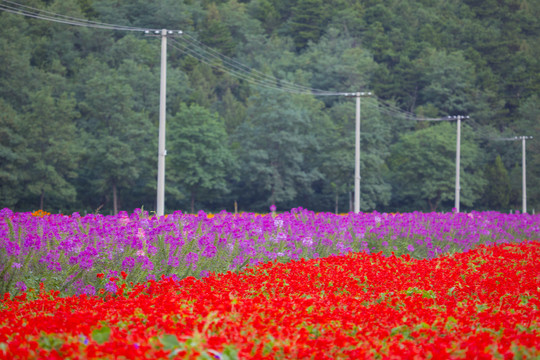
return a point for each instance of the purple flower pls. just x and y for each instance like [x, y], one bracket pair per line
[307, 241]
[55, 266]
[326, 242]
[21, 286]
[12, 248]
[87, 290]
[111, 286]
[173, 261]
[272, 208]
[5, 212]
[410, 247]
[209, 251]
[85, 262]
[128, 263]
[237, 261]
[146, 263]
[192, 258]
[16, 265]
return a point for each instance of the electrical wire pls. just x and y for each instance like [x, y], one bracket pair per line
[253, 72]
[219, 66]
[395, 111]
[205, 54]
[241, 72]
[202, 52]
[28, 11]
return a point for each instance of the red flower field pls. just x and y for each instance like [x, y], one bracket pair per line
[481, 304]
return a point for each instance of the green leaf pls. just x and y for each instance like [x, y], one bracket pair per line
[169, 341]
[49, 342]
[481, 307]
[101, 335]
[451, 323]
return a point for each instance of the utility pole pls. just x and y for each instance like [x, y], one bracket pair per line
[458, 158]
[524, 171]
[357, 95]
[523, 168]
[160, 206]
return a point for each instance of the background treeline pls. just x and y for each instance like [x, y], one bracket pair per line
[79, 107]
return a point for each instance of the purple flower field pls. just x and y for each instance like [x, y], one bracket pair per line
[66, 252]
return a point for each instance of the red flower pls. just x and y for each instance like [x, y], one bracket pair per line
[124, 275]
[100, 276]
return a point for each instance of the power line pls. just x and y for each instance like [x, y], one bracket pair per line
[222, 62]
[32, 12]
[240, 75]
[259, 74]
[395, 111]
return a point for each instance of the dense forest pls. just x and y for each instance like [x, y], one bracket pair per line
[251, 117]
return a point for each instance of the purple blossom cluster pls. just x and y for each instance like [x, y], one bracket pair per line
[57, 248]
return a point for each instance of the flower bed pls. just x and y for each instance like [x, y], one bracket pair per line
[296, 285]
[66, 252]
[480, 304]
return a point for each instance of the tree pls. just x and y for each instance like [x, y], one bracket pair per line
[449, 83]
[119, 140]
[16, 72]
[52, 152]
[215, 33]
[422, 165]
[272, 146]
[338, 158]
[264, 11]
[338, 62]
[232, 110]
[198, 159]
[497, 193]
[307, 22]
[13, 157]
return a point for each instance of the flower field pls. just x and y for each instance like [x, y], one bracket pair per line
[296, 285]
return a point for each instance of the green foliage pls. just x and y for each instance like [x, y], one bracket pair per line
[273, 144]
[116, 135]
[12, 156]
[423, 163]
[497, 194]
[449, 84]
[50, 133]
[80, 105]
[216, 34]
[198, 158]
[307, 22]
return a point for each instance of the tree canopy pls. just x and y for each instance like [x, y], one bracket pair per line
[254, 110]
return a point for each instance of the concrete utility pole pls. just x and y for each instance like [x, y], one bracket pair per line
[160, 206]
[458, 158]
[357, 95]
[523, 167]
[524, 171]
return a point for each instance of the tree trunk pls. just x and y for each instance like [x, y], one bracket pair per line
[115, 198]
[337, 203]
